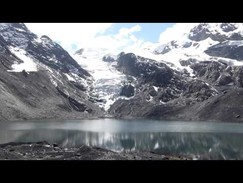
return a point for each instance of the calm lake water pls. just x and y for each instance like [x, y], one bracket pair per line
[195, 139]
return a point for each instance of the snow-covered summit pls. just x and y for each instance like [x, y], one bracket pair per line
[39, 53]
[186, 41]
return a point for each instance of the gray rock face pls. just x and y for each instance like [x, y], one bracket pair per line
[199, 90]
[208, 70]
[201, 32]
[227, 27]
[227, 49]
[188, 62]
[108, 59]
[147, 70]
[238, 75]
[224, 79]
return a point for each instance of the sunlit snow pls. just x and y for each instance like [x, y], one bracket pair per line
[107, 80]
[28, 64]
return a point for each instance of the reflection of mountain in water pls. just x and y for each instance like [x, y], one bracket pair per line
[206, 145]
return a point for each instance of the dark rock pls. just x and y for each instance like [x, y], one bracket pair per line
[237, 116]
[236, 36]
[78, 154]
[75, 104]
[227, 49]
[164, 51]
[188, 62]
[226, 27]
[127, 91]
[147, 70]
[89, 110]
[80, 51]
[200, 90]
[208, 70]
[201, 32]
[187, 44]
[55, 145]
[152, 92]
[79, 86]
[108, 59]
[24, 73]
[238, 76]
[224, 79]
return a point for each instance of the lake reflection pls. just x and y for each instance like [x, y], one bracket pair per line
[206, 140]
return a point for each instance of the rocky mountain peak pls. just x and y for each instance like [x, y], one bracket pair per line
[216, 31]
[79, 52]
[45, 38]
[17, 26]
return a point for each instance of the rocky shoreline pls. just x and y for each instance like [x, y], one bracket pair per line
[45, 151]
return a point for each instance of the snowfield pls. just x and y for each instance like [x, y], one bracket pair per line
[107, 80]
[28, 64]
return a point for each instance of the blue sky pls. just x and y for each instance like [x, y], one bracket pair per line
[110, 36]
[149, 31]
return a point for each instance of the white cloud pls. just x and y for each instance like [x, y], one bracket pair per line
[125, 31]
[116, 43]
[88, 35]
[91, 35]
[73, 36]
[175, 32]
[69, 33]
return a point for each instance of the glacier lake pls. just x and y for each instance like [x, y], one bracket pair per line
[200, 140]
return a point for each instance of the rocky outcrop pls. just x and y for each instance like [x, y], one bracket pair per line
[202, 32]
[148, 71]
[199, 90]
[227, 49]
[108, 58]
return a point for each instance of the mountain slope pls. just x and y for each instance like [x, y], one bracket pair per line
[39, 79]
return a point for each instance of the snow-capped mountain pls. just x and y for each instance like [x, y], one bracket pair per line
[183, 71]
[39, 79]
[197, 44]
[195, 75]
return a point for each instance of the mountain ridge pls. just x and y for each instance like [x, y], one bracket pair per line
[39, 79]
